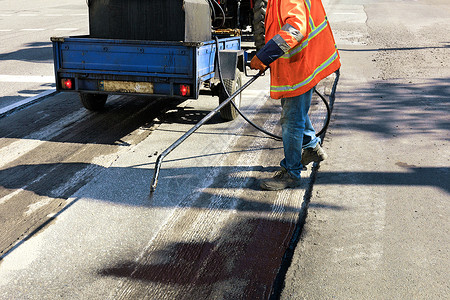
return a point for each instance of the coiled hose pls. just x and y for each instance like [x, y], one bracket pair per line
[327, 120]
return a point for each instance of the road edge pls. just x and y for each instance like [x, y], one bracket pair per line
[328, 87]
[10, 109]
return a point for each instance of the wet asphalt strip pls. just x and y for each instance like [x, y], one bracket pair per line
[278, 285]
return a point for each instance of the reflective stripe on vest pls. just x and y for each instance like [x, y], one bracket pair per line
[303, 45]
[308, 4]
[288, 88]
[311, 21]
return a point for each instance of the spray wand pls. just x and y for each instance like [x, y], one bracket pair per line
[217, 109]
[193, 129]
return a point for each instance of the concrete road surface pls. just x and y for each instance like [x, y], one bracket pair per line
[378, 220]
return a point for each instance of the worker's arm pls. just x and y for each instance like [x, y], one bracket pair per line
[294, 17]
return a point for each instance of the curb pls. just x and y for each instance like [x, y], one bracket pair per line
[25, 103]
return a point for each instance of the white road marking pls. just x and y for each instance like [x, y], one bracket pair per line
[26, 78]
[27, 15]
[10, 196]
[53, 15]
[66, 29]
[20, 190]
[78, 177]
[33, 29]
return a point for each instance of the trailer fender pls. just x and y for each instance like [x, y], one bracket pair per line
[230, 60]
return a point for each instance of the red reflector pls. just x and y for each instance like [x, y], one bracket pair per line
[67, 83]
[185, 90]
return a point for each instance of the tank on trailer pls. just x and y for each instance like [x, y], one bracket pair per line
[152, 20]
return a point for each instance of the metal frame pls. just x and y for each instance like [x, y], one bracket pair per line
[165, 64]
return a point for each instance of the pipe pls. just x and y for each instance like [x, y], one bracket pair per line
[192, 130]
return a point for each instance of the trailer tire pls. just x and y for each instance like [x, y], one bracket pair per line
[228, 112]
[93, 102]
[259, 16]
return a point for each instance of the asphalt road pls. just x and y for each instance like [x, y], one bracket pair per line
[378, 220]
[78, 222]
[26, 67]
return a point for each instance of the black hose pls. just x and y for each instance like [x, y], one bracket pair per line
[219, 71]
[327, 120]
[213, 11]
[213, 112]
[221, 10]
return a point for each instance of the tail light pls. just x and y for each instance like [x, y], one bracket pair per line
[185, 90]
[67, 84]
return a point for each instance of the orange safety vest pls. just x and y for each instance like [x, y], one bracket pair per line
[306, 61]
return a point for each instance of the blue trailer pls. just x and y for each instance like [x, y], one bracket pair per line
[96, 68]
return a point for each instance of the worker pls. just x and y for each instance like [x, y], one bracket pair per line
[300, 51]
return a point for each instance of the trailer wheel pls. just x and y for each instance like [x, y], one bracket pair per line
[93, 102]
[259, 16]
[228, 112]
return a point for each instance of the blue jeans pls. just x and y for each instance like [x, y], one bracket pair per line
[297, 131]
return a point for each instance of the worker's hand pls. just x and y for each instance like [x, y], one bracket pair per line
[256, 64]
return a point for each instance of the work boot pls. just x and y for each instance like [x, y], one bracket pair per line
[313, 154]
[280, 181]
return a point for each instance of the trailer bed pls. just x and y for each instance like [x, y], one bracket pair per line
[111, 66]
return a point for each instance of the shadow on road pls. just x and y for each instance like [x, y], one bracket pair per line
[120, 117]
[415, 176]
[174, 181]
[386, 106]
[37, 52]
[250, 262]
